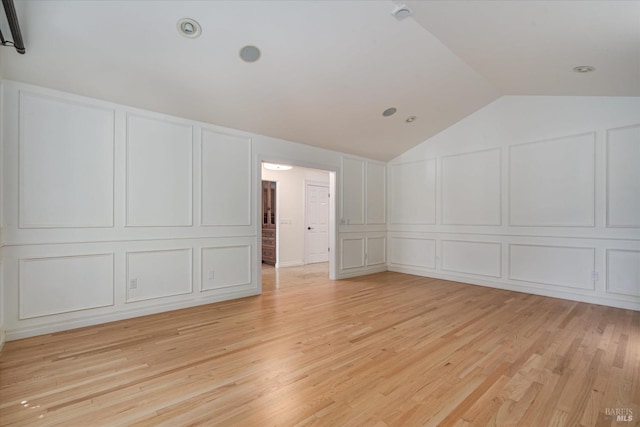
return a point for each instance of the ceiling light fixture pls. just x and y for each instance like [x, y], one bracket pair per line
[401, 11]
[584, 69]
[189, 28]
[411, 119]
[389, 112]
[250, 54]
[277, 167]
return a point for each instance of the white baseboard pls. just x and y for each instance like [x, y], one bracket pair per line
[32, 331]
[346, 274]
[3, 337]
[598, 299]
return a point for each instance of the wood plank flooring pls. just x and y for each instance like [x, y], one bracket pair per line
[387, 349]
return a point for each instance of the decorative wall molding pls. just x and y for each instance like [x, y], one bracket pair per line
[400, 202]
[153, 210]
[628, 163]
[376, 207]
[623, 282]
[353, 206]
[551, 265]
[352, 253]
[56, 285]
[373, 245]
[558, 178]
[53, 181]
[475, 194]
[413, 249]
[475, 251]
[226, 171]
[158, 281]
[230, 272]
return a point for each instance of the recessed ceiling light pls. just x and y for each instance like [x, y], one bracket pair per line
[276, 167]
[584, 69]
[411, 119]
[401, 11]
[250, 54]
[389, 112]
[189, 28]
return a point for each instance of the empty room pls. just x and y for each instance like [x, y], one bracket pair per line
[319, 213]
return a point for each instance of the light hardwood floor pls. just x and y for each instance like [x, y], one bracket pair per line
[382, 350]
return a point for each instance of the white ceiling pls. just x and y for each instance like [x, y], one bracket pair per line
[328, 69]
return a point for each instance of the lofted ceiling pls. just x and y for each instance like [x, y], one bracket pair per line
[328, 69]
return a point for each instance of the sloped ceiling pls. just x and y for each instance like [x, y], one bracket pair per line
[328, 69]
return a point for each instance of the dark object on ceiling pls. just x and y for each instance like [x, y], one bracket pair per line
[12, 19]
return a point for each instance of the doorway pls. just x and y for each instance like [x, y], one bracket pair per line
[304, 228]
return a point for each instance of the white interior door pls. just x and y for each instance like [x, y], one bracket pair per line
[316, 223]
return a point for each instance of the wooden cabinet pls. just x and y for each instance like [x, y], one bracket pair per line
[269, 222]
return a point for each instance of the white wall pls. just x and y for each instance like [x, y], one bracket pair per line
[112, 212]
[291, 199]
[363, 221]
[534, 194]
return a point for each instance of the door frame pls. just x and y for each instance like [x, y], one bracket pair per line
[326, 185]
[334, 172]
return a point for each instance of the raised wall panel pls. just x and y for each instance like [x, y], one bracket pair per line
[471, 187]
[226, 179]
[623, 177]
[623, 272]
[352, 251]
[413, 252]
[66, 163]
[225, 267]
[159, 173]
[56, 285]
[158, 273]
[551, 183]
[376, 193]
[376, 250]
[352, 191]
[481, 258]
[552, 265]
[413, 193]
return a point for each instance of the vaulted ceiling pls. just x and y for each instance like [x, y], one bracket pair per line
[328, 69]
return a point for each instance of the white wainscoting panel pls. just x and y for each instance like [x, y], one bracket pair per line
[623, 272]
[471, 188]
[413, 192]
[376, 193]
[226, 267]
[623, 177]
[159, 172]
[480, 258]
[158, 274]
[413, 252]
[552, 183]
[66, 163]
[353, 190]
[55, 285]
[352, 251]
[552, 265]
[226, 179]
[376, 250]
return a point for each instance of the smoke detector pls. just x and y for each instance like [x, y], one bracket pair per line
[401, 11]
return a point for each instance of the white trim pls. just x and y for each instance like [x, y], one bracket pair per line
[562, 294]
